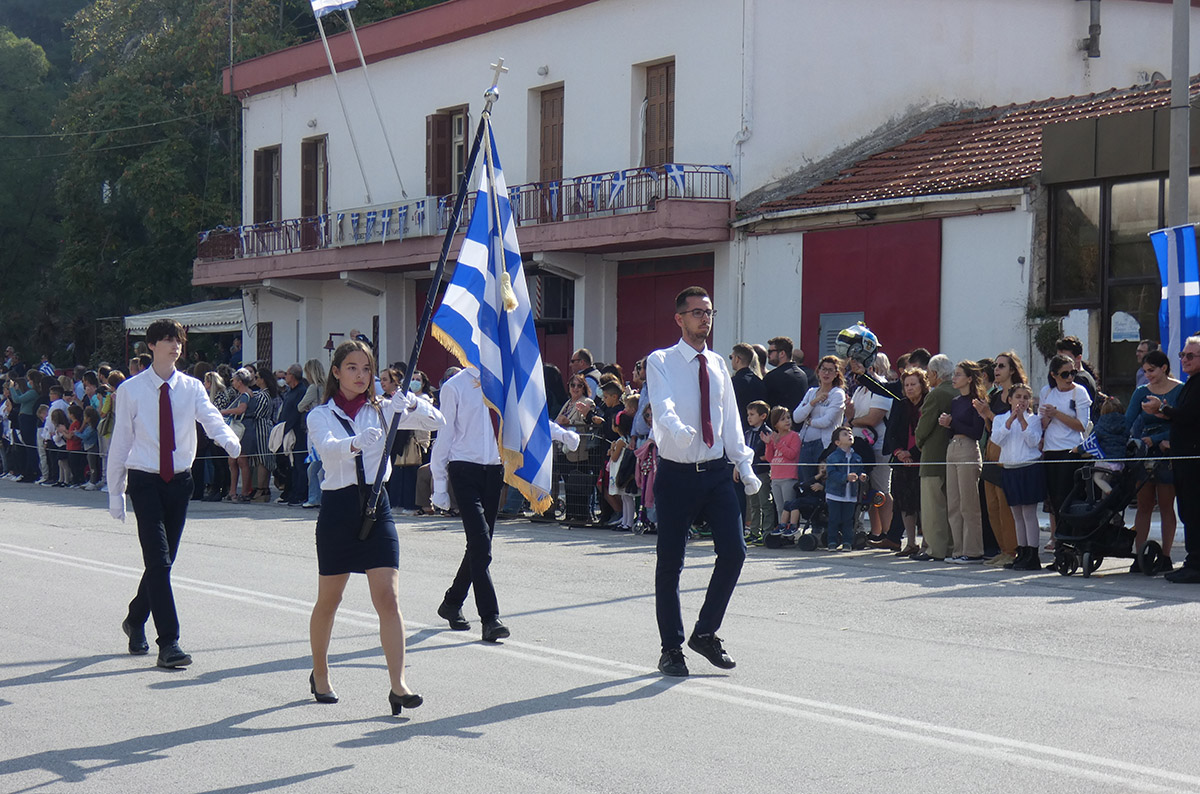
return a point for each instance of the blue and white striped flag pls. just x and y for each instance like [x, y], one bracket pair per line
[385, 219]
[370, 225]
[486, 321]
[619, 178]
[1179, 312]
[675, 172]
[322, 7]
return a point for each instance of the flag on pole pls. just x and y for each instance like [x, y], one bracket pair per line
[1179, 311]
[322, 7]
[486, 321]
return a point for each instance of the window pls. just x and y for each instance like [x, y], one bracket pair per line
[267, 193]
[264, 334]
[1101, 259]
[447, 146]
[314, 178]
[660, 114]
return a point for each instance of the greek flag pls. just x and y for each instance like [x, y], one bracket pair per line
[370, 225]
[385, 220]
[1179, 312]
[675, 172]
[486, 321]
[341, 216]
[322, 7]
[419, 215]
[619, 178]
[354, 218]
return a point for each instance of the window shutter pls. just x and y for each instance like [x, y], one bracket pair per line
[438, 162]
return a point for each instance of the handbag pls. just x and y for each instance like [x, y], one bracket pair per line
[413, 454]
[238, 427]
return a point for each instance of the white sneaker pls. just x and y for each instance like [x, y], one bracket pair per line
[39, 481]
[103, 489]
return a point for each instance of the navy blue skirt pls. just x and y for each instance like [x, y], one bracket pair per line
[338, 548]
[1025, 485]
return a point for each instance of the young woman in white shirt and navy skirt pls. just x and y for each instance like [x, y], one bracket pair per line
[348, 431]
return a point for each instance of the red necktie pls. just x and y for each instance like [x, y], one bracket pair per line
[166, 435]
[705, 418]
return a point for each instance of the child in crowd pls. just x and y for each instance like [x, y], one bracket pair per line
[621, 459]
[91, 446]
[843, 469]
[41, 437]
[759, 510]
[647, 471]
[783, 453]
[808, 497]
[56, 448]
[76, 458]
[1109, 437]
[1019, 436]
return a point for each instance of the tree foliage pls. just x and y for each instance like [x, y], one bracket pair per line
[140, 151]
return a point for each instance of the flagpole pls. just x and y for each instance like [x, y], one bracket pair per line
[374, 101]
[490, 97]
[362, 169]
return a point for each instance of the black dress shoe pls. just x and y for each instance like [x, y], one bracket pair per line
[453, 616]
[672, 663]
[1184, 575]
[709, 646]
[399, 702]
[494, 630]
[172, 656]
[322, 697]
[137, 638]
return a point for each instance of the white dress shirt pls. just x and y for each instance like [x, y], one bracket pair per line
[135, 429]
[673, 375]
[332, 442]
[469, 435]
[1018, 447]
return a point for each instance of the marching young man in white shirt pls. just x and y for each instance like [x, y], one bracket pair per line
[153, 447]
[699, 435]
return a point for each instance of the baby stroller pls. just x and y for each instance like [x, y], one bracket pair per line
[811, 505]
[1091, 523]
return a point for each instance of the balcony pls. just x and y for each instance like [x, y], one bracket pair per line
[582, 198]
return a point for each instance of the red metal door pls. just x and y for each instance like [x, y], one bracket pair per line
[646, 311]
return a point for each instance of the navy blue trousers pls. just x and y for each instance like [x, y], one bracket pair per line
[160, 509]
[683, 496]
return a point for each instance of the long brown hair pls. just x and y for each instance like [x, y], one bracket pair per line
[344, 349]
[975, 375]
[838, 380]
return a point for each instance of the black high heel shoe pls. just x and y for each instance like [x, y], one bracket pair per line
[322, 697]
[404, 701]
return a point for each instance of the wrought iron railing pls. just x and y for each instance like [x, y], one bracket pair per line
[628, 191]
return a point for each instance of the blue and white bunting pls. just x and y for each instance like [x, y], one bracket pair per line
[341, 216]
[385, 219]
[619, 178]
[1179, 310]
[354, 218]
[322, 7]
[419, 215]
[675, 172]
[486, 321]
[370, 225]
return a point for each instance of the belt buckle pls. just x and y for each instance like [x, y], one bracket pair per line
[701, 465]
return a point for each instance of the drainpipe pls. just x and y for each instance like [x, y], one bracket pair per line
[1091, 45]
[743, 134]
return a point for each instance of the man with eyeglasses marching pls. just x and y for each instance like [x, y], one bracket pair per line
[1184, 417]
[699, 436]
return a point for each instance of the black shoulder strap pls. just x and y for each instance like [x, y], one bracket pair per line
[358, 464]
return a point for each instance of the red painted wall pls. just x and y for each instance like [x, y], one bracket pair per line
[891, 273]
[646, 312]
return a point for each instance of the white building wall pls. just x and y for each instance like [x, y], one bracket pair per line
[985, 284]
[771, 288]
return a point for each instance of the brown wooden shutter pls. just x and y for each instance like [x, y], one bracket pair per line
[660, 114]
[308, 179]
[439, 181]
[552, 135]
[262, 186]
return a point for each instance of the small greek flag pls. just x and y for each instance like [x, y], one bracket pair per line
[354, 218]
[401, 220]
[321, 233]
[341, 216]
[619, 178]
[675, 172]
[322, 7]
[723, 169]
[514, 201]
[419, 215]
[370, 225]
[486, 321]
[386, 218]
[1179, 311]
[553, 200]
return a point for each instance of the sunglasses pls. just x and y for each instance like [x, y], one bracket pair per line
[1067, 373]
[1187, 355]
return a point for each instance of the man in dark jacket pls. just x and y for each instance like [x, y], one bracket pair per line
[787, 383]
[289, 414]
[747, 385]
[1185, 441]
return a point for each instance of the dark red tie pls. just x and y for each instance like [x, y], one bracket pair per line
[166, 435]
[705, 417]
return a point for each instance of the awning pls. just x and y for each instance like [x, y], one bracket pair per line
[202, 317]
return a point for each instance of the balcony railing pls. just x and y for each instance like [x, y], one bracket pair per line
[574, 198]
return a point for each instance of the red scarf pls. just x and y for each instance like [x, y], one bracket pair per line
[349, 406]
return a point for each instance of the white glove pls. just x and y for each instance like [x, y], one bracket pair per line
[751, 483]
[367, 438]
[440, 500]
[570, 440]
[410, 401]
[686, 436]
[116, 506]
[234, 449]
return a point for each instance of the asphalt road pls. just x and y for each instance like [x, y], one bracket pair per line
[856, 672]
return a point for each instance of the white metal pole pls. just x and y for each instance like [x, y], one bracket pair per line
[374, 101]
[1177, 209]
[345, 114]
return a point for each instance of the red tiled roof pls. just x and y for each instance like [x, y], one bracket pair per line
[984, 149]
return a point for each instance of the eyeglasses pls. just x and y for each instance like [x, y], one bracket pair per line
[1067, 373]
[772, 350]
[1187, 355]
[700, 314]
[577, 361]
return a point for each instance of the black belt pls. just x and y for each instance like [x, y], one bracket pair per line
[704, 465]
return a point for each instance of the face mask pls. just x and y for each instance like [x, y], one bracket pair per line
[415, 385]
[282, 384]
